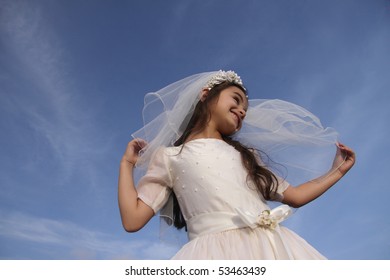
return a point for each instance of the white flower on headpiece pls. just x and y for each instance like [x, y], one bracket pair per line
[223, 76]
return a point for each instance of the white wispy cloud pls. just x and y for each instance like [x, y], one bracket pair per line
[52, 107]
[75, 241]
[63, 133]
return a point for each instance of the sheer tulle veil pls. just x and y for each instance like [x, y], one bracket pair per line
[167, 112]
[290, 140]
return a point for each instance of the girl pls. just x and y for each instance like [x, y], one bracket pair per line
[206, 170]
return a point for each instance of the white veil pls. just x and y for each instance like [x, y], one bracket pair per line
[295, 144]
[166, 114]
[292, 140]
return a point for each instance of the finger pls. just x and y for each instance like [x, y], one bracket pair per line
[341, 145]
[345, 148]
[141, 143]
[350, 156]
[348, 151]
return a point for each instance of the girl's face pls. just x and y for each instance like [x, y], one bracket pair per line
[229, 110]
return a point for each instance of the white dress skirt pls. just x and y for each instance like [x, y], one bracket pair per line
[219, 204]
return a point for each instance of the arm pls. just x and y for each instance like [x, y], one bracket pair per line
[307, 192]
[134, 212]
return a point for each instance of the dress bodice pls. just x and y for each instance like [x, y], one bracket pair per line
[210, 183]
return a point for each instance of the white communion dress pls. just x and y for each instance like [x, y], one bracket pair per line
[218, 203]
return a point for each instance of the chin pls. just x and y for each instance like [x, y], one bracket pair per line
[230, 133]
[230, 130]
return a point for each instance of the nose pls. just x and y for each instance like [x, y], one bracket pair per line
[242, 113]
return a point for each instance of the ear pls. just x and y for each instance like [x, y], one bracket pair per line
[204, 94]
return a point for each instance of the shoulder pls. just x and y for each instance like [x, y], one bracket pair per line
[167, 151]
[165, 154]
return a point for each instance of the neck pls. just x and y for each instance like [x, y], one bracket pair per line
[206, 133]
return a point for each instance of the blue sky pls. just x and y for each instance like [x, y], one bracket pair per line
[72, 79]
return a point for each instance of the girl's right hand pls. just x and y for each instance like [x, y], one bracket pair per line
[133, 149]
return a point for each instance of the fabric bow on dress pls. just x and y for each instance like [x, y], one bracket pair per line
[267, 218]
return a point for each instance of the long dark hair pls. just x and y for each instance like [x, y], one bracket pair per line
[264, 180]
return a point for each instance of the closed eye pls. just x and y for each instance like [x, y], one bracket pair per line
[239, 100]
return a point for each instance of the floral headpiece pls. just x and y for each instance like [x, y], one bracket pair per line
[223, 76]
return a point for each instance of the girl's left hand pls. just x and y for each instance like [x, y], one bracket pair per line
[345, 159]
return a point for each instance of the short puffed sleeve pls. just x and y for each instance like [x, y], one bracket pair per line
[155, 187]
[282, 183]
[282, 186]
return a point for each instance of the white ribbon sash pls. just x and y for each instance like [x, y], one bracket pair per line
[267, 218]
